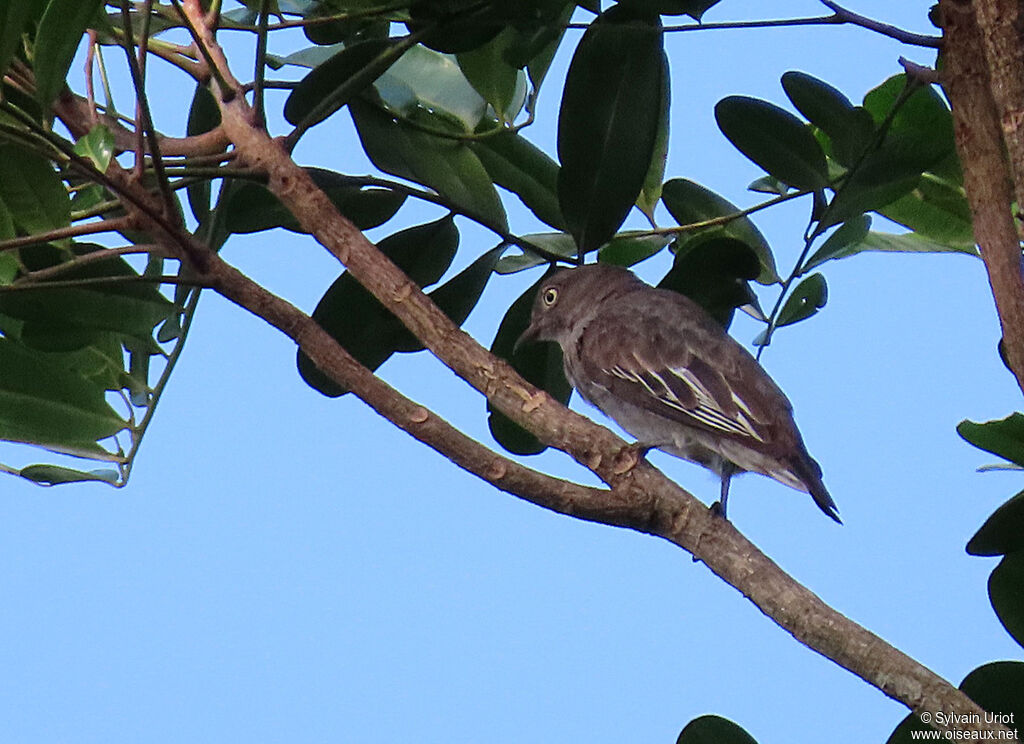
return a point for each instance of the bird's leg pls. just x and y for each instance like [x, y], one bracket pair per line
[727, 472]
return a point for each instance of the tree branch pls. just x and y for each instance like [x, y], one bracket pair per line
[987, 178]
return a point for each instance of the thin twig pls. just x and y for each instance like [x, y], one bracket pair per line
[885, 29]
[62, 233]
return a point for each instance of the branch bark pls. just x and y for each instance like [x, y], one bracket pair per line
[640, 497]
[985, 101]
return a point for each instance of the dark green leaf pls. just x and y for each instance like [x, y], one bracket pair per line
[489, 72]
[252, 208]
[54, 475]
[715, 275]
[98, 146]
[693, 8]
[651, 191]
[627, 249]
[44, 403]
[841, 243]
[456, 25]
[32, 191]
[458, 296]
[922, 128]
[338, 80]
[203, 116]
[538, 363]
[807, 299]
[608, 124]
[774, 139]
[539, 44]
[1003, 531]
[690, 203]
[879, 180]
[556, 244]
[937, 210]
[904, 243]
[1004, 437]
[449, 167]
[359, 322]
[519, 166]
[768, 185]
[714, 730]
[1006, 591]
[15, 15]
[849, 128]
[60, 31]
[363, 24]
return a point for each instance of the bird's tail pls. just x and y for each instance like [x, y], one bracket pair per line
[809, 473]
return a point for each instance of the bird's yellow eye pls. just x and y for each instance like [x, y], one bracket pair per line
[550, 296]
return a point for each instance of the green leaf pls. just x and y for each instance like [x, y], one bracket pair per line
[98, 146]
[1003, 531]
[487, 69]
[774, 139]
[841, 243]
[524, 169]
[806, 300]
[1004, 437]
[55, 475]
[715, 275]
[32, 191]
[359, 322]
[922, 129]
[689, 203]
[333, 83]
[252, 208]
[608, 124]
[651, 191]
[45, 404]
[903, 243]
[849, 128]
[449, 167]
[1006, 591]
[693, 8]
[714, 730]
[203, 116]
[458, 296]
[15, 15]
[936, 209]
[629, 248]
[557, 244]
[456, 25]
[60, 31]
[538, 363]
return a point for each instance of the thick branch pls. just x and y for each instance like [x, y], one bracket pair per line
[987, 178]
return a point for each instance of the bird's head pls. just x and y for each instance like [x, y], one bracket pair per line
[569, 297]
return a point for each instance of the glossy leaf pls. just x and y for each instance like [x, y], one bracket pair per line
[524, 169]
[1004, 437]
[57, 38]
[922, 129]
[556, 244]
[15, 15]
[449, 167]
[1006, 591]
[203, 116]
[1003, 531]
[252, 208]
[359, 322]
[458, 296]
[608, 124]
[496, 80]
[453, 26]
[332, 84]
[627, 249]
[55, 475]
[715, 275]
[850, 128]
[98, 146]
[842, 242]
[903, 243]
[45, 404]
[807, 299]
[32, 191]
[651, 191]
[538, 363]
[882, 178]
[690, 203]
[936, 209]
[427, 81]
[714, 730]
[773, 138]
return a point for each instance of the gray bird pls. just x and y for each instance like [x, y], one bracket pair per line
[669, 374]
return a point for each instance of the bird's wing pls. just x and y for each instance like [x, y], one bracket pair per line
[687, 373]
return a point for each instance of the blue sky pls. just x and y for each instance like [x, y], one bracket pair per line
[284, 567]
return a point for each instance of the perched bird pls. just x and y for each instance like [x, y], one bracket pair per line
[659, 365]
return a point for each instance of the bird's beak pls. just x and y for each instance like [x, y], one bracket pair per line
[528, 337]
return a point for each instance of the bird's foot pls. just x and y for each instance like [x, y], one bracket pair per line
[717, 509]
[627, 457]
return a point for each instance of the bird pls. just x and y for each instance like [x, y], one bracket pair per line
[667, 372]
